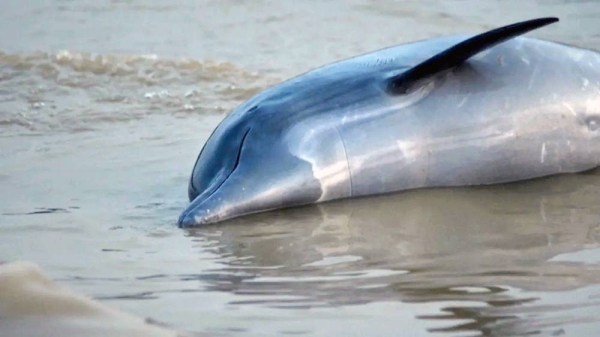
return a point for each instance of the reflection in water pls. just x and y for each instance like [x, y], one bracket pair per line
[487, 248]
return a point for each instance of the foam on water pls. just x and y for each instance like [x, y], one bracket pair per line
[70, 91]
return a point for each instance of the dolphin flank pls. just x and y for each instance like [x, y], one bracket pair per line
[449, 111]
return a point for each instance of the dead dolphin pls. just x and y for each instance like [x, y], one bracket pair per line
[449, 111]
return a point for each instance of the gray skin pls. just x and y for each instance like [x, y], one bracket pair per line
[523, 109]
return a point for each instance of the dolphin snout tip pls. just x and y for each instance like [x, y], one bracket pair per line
[196, 217]
[186, 220]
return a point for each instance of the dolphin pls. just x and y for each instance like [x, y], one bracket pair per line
[449, 111]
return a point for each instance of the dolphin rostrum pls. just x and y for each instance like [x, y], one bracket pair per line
[449, 111]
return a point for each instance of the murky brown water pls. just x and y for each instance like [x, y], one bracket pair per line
[104, 106]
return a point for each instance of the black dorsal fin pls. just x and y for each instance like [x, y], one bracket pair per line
[459, 53]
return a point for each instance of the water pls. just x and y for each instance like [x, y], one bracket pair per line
[104, 106]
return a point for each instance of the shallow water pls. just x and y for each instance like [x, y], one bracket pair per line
[104, 106]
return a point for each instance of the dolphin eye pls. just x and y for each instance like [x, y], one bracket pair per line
[593, 122]
[252, 109]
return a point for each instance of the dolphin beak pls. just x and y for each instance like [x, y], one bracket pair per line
[220, 201]
[186, 220]
[198, 213]
[244, 192]
[191, 219]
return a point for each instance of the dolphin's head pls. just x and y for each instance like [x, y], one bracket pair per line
[256, 161]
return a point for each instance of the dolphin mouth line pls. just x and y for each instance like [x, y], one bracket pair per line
[237, 162]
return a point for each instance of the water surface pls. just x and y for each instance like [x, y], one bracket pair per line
[104, 106]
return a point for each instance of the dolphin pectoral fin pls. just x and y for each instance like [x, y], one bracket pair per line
[459, 53]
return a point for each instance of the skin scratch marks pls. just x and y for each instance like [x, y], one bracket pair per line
[543, 153]
[533, 76]
[464, 100]
[570, 108]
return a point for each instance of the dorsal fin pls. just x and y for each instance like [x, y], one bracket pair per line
[459, 53]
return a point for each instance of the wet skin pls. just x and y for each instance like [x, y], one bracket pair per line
[523, 109]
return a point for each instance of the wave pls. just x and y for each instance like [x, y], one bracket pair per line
[68, 90]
